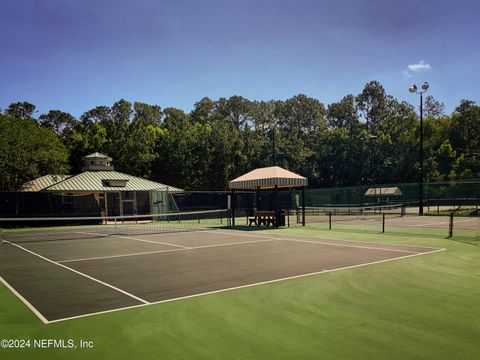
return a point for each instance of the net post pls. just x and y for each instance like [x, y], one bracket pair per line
[330, 220]
[450, 226]
[115, 227]
[383, 223]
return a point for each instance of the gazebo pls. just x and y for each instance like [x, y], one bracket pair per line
[268, 178]
[384, 193]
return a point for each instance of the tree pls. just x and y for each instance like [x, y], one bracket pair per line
[369, 138]
[465, 130]
[99, 114]
[236, 109]
[21, 110]
[433, 108]
[372, 103]
[126, 133]
[301, 124]
[146, 115]
[183, 158]
[28, 151]
[344, 114]
[203, 110]
[445, 158]
[57, 120]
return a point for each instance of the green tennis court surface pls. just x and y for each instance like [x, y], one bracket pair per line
[62, 279]
[416, 304]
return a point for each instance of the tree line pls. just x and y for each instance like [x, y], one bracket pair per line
[367, 138]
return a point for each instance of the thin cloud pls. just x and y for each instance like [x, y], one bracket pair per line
[416, 68]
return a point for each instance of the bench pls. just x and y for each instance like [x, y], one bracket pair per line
[265, 218]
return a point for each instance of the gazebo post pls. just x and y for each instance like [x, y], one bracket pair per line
[257, 198]
[303, 205]
[232, 205]
[275, 204]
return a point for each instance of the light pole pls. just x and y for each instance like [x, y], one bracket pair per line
[414, 89]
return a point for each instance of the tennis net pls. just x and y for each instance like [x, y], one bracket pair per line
[20, 230]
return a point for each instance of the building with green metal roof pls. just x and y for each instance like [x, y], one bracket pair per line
[111, 192]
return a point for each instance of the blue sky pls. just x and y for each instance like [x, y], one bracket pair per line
[73, 55]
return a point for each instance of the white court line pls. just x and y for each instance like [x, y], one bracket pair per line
[246, 286]
[143, 240]
[332, 239]
[39, 233]
[353, 246]
[79, 273]
[329, 244]
[152, 241]
[25, 301]
[165, 251]
[273, 238]
[118, 256]
[433, 224]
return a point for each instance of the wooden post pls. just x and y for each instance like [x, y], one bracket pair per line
[303, 206]
[232, 204]
[275, 207]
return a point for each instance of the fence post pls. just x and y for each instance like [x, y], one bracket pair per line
[450, 226]
[383, 223]
[330, 220]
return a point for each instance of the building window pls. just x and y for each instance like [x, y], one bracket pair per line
[92, 162]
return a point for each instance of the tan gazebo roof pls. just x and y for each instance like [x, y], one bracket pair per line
[268, 177]
[383, 191]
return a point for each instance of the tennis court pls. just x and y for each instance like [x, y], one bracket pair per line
[394, 219]
[62, 273]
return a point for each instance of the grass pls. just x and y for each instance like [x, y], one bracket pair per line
[425, 307]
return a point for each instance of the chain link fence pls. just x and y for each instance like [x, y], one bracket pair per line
[462, 225]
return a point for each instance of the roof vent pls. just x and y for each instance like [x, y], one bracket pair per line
[114, 183]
